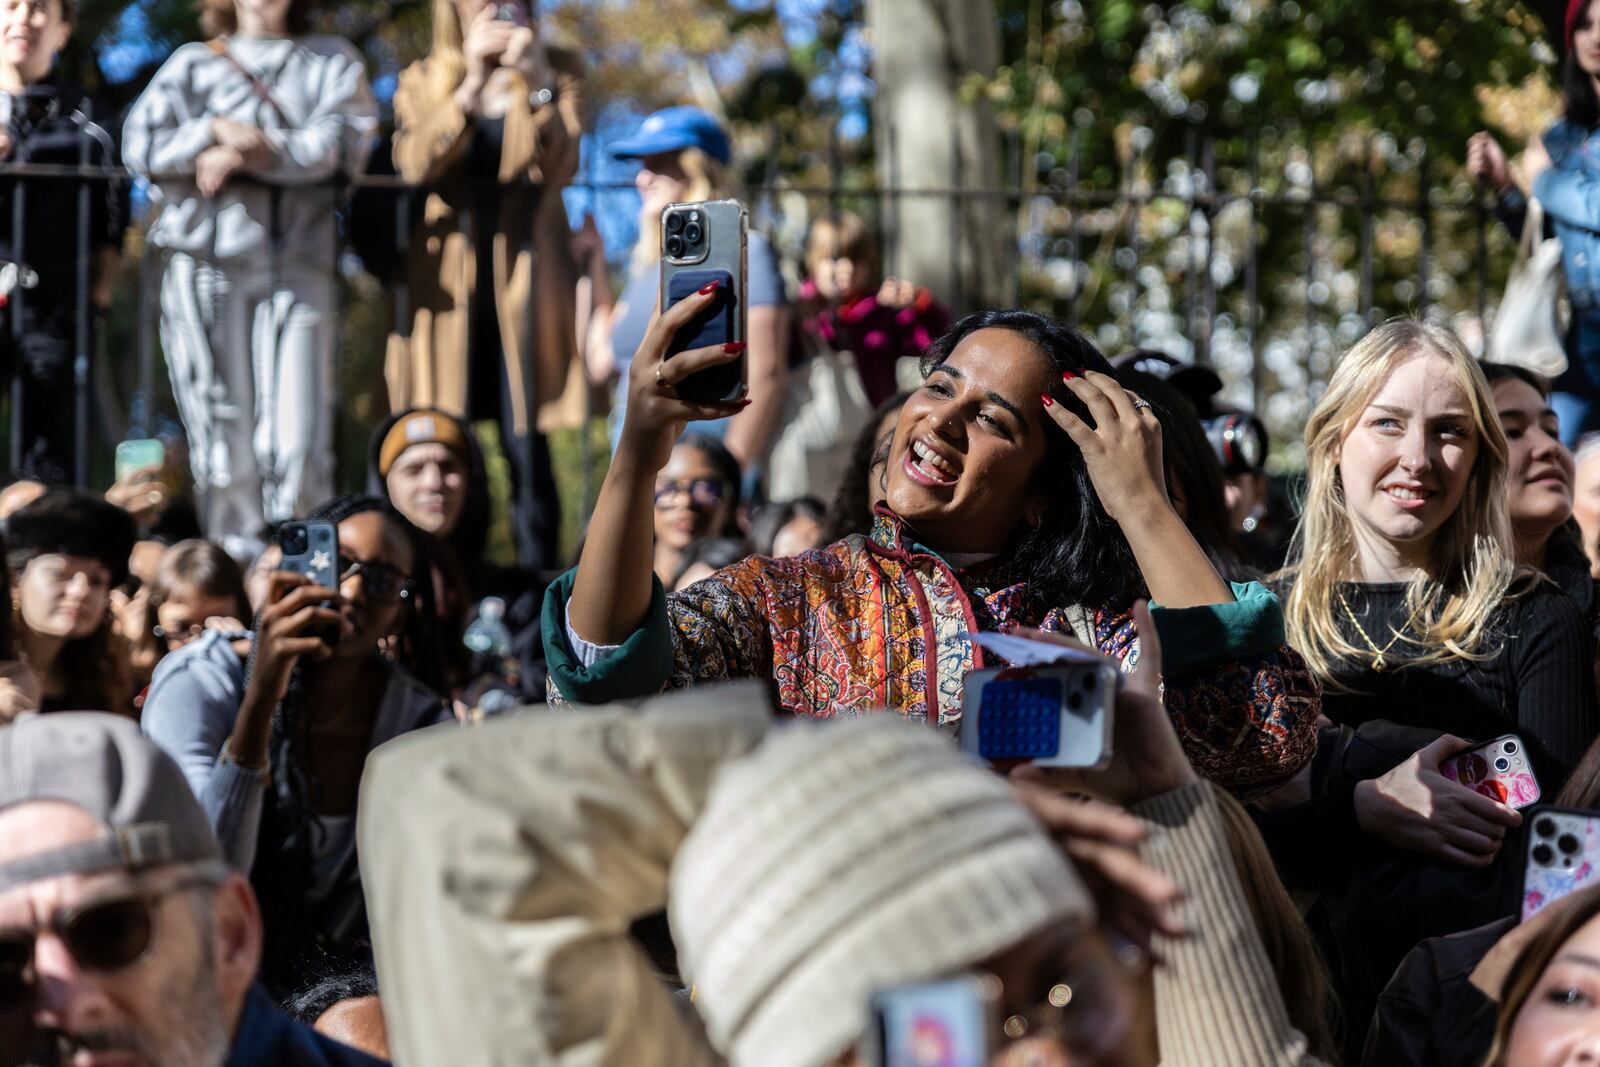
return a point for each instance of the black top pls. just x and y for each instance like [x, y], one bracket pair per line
[1539, 683]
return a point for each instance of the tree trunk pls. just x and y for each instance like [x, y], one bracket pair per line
[928, 138]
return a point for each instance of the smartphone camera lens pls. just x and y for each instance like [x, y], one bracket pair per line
[1545, 827]
[295, 541]
[674, 222]
[1543, 855]
[1509, 748]
[692, 233]
[674, 245]
[1502, 764]
[1567, 843]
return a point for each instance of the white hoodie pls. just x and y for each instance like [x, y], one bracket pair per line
[326, 129]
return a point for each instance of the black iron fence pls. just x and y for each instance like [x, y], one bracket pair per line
[1263, 260]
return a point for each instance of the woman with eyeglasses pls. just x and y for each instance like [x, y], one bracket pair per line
[274, 745]
[696, 496]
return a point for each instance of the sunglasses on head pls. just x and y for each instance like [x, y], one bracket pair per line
[703, 493]
[105, 935]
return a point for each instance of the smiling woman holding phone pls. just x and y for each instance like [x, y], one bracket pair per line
[490, 122]
[1024, 487]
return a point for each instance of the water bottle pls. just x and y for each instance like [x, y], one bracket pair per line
[488, 632]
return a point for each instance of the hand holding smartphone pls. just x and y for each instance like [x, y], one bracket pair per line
[947, 1023]
[1498, 770]
[703, 244]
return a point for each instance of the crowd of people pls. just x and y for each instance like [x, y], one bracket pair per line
[704, 797]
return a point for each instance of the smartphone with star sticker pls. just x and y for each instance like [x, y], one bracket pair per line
[312, 549]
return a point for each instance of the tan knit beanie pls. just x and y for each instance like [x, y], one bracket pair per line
[842, 857]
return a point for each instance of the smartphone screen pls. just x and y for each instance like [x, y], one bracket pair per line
[137, 455]
[934, 1024]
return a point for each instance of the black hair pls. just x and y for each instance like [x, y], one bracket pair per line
[770, 520]
[314, 1000]
[714, 552]
[1505, 372]
[849, 512]
[1580, 105]
[1077, 553]
[728, 472]
[1193, 473]
[282, 870]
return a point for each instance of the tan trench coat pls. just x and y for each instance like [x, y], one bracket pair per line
[531, 255]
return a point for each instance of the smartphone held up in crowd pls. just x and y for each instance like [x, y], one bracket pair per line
[1498, 770]
[1051, 707]
[703, 244]
[949, 1023]
[312, 549]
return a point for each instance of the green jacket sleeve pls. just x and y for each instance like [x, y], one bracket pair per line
[1192, 639]
[639, 667]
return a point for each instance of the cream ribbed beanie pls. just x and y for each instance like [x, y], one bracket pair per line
[842, 857]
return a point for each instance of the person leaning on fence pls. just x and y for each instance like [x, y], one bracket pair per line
[45, 122]
[1004, 507]
[243, 138]
[1555, 170]
[490, 122]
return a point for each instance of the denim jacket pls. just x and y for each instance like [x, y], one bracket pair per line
[1569, 192]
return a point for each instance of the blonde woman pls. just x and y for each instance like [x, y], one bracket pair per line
[490, 122]
[682, 152]
[1404, 598]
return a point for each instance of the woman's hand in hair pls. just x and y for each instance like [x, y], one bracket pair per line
[1147, 759]
[1416, 808]
[655, 413]
[1122, 449]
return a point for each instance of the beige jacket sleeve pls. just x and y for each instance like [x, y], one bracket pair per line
[1218, 1003]
[503, 865]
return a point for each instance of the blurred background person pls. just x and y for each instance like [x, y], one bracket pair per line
[44, 121]
[1586, 497]
[696, 496]
[683, 155]
[787, 528]
[490, 121]
[197, 586]
[705, 557]
[66, 551]
[223, 131]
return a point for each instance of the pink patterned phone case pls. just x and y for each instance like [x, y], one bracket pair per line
[1499, 770]
[1563, 850]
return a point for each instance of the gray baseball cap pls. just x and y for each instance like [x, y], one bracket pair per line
[103, 764]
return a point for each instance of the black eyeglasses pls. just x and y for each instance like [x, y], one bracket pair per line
[704, 493]
[382, 580]
[103, 935]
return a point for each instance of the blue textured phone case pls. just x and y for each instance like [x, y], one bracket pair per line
[1020, 718]
[713, 326]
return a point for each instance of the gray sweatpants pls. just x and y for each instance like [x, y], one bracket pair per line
[250, 352]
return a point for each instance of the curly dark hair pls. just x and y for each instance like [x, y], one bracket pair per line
[1077, 553]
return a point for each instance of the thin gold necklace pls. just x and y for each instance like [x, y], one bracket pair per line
[1379, 661]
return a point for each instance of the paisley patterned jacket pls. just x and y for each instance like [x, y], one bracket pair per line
[876, 622]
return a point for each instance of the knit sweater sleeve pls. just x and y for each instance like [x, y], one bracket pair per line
[168, 126]
[1552, 654]
[504, 864]
[336, 137]
[1218, 1003]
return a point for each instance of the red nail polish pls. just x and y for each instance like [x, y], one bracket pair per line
[1067, 376]
[746, 402]
[1046, 398]
[710, 287]
[734, 346]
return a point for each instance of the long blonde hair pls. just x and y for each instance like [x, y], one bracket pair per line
[705, 182]
[1451, 604]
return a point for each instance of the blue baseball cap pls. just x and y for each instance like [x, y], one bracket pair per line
[673, 129]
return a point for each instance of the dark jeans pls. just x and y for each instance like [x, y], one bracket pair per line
[47, 415]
